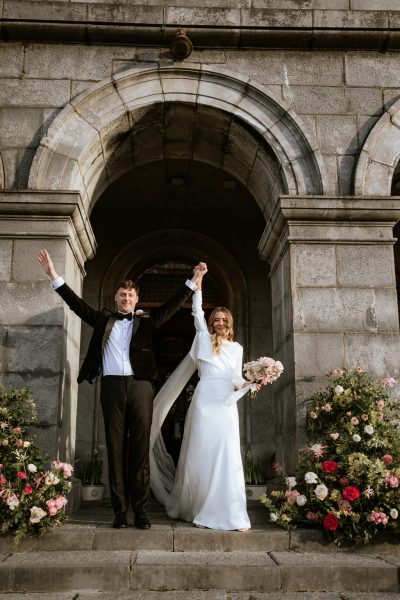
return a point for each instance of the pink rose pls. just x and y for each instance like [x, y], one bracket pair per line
[28, 489]
[312, 516]
[380, 404]
[378, 518]
[21, 475]
[17, 430]
[291, 496]
[359, 370]
[388, 459]
[19, 443]
[337, 373]
[53, 511]
[380, 416]
[344, 505]
[2, 480]
[5, 442]
[392, 481]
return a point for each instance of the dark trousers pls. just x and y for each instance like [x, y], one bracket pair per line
[127, 406]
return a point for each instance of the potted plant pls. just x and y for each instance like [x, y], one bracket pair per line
[254, 478]
[92, 487]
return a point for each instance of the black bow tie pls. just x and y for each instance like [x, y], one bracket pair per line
[125, 316]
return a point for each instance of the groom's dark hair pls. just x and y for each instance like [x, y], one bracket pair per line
[127, 284]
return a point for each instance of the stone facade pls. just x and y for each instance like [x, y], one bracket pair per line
[283, 124]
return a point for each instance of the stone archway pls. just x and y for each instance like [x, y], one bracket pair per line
[379, 156]
[88, 145]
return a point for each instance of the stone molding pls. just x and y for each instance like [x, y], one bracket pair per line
[42, 214]
[88, 145]
[328, 220]
[222, 26]
[379, 155]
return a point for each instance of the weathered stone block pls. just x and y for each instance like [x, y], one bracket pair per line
[374, 69]
[30, 304]
[125, 13]
[364, 101]
[337, 133]
[266, 17]
[20, 127]
[378, 354]
[317, 353]
[45, 9]
[34, 92]
[22, 350]
[359, 266]
[366, 19]
[11, 59]
[315, 100]
[315, 265]
[5, 259]
[25, 264]
[332, 309]
[80, 62]
[198, 16]
[347, 164]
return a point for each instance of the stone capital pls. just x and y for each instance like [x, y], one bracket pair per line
[328, 219]
[48, 214]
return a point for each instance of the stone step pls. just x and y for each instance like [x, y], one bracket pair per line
[201, 595]
[158, 570]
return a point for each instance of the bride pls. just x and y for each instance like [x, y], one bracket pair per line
[208, 486]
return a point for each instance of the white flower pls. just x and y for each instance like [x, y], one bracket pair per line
[339, 389]
[334, 436]
[12, 502]
[310, 477]
[32, 468]
[369, 429]
[394, 513]
[27, 444]
[356, 437]
[321, 491]
[301, 500]
[51, 479]
[369, 491]
[37, 514]
[291, 482]
[273, 517]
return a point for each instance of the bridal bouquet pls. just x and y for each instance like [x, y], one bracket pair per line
[263, 370]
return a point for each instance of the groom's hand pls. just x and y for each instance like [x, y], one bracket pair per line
[198, 273]
[47, 265]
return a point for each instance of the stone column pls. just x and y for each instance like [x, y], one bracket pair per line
[39, 336]
[334, 301]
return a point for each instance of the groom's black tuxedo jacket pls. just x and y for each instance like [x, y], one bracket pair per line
[141, 348]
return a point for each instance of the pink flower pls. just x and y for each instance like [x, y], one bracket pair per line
[291, 496]
[53, 511]
[378, 518]
[337, 373]
[5, 442]
[344, 505]
[312, 516]
[277, 467]
[388, 459]
[344, 481]
[380, 404]
[380, 416]
[330, 522]
[28, 489]
[1, 466]
[21, 475]
[19, 443]
[350, 493]
[392, 481]
[17, 430]
[2, 480]
[359, 370]
[389, 381]
[313, 414]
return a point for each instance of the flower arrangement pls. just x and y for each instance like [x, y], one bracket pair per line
[32, 496]
[263, 370]
[348, 480]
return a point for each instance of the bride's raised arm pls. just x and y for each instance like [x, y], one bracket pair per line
[197, 308]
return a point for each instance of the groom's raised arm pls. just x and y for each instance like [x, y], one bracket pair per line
[76, 304]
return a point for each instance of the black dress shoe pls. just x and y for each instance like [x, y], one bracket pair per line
[141, 521]
[120, 521]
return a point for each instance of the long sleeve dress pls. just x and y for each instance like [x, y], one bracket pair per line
[209, 487]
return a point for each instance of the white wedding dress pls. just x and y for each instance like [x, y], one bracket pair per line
[208, 486]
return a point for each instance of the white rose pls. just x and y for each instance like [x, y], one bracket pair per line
[37, 514]
[273, 517]
[394, 513]
[301, 500]
[321, 491]
[369, 429]
[356, 437]
[334, 436]
[311, 477]
[339, 389]
[32, 468]
[27, 444]
[291, 482]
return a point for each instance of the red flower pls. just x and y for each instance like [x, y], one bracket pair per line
[28, 489]
[388, 459]
[330, 522]
[350, 493]
[329, 466]
[21, 475]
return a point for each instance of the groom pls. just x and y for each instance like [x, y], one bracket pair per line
[121, 351]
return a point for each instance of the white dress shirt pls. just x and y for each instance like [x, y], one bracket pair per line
[116, 352]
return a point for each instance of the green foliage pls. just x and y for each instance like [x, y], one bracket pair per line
[93, 470]
[252, 471]
[349, 473]
[32, 494]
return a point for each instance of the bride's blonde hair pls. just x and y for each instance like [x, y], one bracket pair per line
[217, 340]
